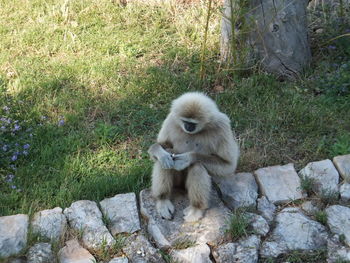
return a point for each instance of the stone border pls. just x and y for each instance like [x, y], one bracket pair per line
[293, 228]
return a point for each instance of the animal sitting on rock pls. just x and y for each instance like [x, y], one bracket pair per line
[194, 143]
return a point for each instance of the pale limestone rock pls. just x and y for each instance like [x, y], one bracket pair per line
[74, 253]
[210, 229]
[238, 190]
[280, 184]
[345, 192]
[13, 234]
[338, 220]
[258, 224]
[324, 175]
[336, 251]
[140, 250]
[342, 163]
[266, 208]
[294, 231]
[196, 254]
[50, 224]
[85, 216]
[246, 250]
[309, 207]
[119, 260]
[40, 253]
[121, 210]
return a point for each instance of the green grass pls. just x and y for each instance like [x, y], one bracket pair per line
[110, 72]
[238, 225]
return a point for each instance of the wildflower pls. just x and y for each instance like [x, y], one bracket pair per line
[9, 178]
[13, 167]
[60, 122]
[14, 157]
[332, 47]
[3, 128]
[25, 153]
[16, 144]
[5, 147]
[26, 146]
[5, 108]
[30, 135]
[13, 186]
[17, 127]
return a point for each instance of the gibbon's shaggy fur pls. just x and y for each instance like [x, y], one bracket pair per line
[194, 143]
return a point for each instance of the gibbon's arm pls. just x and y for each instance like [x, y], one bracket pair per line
[157, 151]
[221, 163]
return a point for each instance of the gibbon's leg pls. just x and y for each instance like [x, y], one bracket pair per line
[162, 184]
[198, 185]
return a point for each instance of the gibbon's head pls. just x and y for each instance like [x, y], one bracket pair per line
[193, 111]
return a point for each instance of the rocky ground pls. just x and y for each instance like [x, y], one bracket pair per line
[285, 211]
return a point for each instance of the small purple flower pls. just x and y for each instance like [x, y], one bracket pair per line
[5, 148]
[13, 186]
[30, 135]
[332, 47]
[9, 178]
[14, 157]
[16, 144]
[26, 146]
[17, 127]
[3, 128]
[25, 153]
[60, 122]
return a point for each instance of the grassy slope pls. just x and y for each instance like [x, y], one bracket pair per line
[110, 73]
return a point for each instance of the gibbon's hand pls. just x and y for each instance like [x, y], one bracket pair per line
[166, 161]
[182, 161]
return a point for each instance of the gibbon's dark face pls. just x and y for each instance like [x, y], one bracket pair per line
[190, 126]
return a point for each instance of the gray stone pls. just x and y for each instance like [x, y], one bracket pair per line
[246, 250]
[85, 216]
[210, 229]
[258, 224]
[13, 234]
[280, 184]
[140, 250]
[336, 251]
[342, 163]
[40, 253]
[17, 260]
[119, 260]
[266, 208]
[324, 176]
[121, 210]
[338, 220]
[345, 192]
[294, 231]
[74, 253]
[197, 254]
[238, 190]
[309, 207]
[50, 224]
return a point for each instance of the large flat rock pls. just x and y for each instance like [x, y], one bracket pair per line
[72, 252]
[294, 231]
[40, 253]
[85, 216]
[245, 251]
[238, 190]
[121, 211]
[280, 184]
[50, 224]
[210, 229]
[140, 250]
[266, 209]
[324, 175]
[338, 220]
[196, 254]
[13, 234]
[337, 252]
[342, 163]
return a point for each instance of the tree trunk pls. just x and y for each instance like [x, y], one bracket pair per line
[276, 35]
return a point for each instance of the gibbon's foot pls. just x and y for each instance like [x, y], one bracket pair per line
[165, 208]
[192, 214]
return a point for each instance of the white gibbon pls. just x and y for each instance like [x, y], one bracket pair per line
[194, 143]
